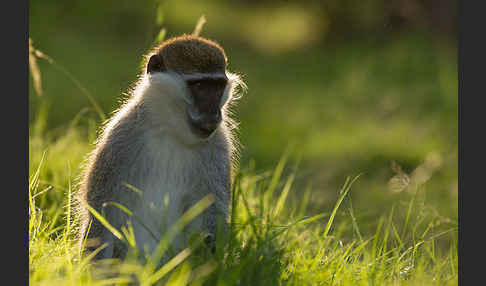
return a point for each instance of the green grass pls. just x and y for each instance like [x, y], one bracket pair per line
[274, 239]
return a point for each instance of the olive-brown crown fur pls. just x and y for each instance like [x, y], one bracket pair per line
[191, 54]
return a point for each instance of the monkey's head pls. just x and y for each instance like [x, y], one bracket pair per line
[191, 84]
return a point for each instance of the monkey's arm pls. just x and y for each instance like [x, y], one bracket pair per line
[103, 184]
[98, 187]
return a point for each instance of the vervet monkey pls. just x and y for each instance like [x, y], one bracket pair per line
[173, 140]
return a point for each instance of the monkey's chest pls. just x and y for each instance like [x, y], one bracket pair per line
[166, 195]
[168, 189]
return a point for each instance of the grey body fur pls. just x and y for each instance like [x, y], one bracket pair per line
[142, 146]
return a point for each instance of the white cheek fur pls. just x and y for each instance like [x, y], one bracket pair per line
[226, 94]
[171, 84]
[167, 97]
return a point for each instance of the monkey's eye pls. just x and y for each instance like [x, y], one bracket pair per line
[195, 84]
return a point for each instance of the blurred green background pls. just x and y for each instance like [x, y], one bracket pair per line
[351, 86]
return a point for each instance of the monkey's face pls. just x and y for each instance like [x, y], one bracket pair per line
[190, 106]
[191, 71]
[207, 94]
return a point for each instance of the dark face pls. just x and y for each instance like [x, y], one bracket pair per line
[206, 89]
[205, 115]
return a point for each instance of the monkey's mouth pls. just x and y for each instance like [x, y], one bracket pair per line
[201, 131]
[203, 128]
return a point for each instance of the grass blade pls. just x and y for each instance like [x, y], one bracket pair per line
[344, 191]
[105, 223]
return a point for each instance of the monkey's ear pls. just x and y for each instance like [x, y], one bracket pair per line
[156, 64]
